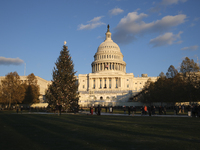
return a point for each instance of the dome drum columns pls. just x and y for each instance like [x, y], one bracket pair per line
[108, 66]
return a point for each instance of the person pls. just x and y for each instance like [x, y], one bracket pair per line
[149, 110]
[99, 110]
[179, 107]
[132, 110]
[142, 110]
[198, 111]
[183, 107]
[165, 110]
[145, 110]
[95, 110]
[59, 108]
[91, 110]
[21, 109]
[193, 110]
[175, 110]
[189, 110]
[129, 110]
[160, 110]
[124, 109]
[111, 109]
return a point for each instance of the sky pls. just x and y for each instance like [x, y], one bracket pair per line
[151, 34]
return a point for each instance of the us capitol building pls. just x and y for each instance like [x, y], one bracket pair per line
[109, 84]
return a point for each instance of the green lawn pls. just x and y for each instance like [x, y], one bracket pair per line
[46, 132]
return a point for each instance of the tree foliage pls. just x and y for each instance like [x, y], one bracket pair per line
[188, 65]
[172, 72]
[175, 87]
[32, 92]
[64, 87]
[13, 91]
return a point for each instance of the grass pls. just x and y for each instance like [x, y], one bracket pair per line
[46, 132]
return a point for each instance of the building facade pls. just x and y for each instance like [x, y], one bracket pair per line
[109, 84]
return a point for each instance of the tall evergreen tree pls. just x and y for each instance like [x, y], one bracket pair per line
[64, 87]
[32, 90]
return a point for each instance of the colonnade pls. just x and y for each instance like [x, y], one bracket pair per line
[108, 66]
[105, 83]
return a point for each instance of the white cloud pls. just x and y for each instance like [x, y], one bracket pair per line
[96, 19]
[166, 39]
[95, 22]
[115, 11]
[10, 61]
[190, 48]
[132, 25]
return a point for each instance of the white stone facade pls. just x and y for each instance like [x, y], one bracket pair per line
[109, 84]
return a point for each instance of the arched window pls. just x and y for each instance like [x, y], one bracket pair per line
[101, 98]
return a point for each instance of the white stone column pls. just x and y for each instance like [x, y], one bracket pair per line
[90, 83]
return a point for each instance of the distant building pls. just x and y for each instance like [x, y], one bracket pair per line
[43, 85]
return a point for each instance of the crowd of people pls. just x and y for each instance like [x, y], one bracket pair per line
[193, 110]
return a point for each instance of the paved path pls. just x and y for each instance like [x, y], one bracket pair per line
[103, 114]
[114, 114]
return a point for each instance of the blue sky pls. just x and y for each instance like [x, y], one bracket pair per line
[152, 35]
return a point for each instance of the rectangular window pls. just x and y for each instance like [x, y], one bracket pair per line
[105, 83]
[100, 84]
[83, 86]
[127, 85]
[116, 83]
[110, 83]
[93, 84]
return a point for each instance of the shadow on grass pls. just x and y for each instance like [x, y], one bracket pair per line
[97, 132]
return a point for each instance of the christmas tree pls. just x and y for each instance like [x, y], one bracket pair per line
[64, 87]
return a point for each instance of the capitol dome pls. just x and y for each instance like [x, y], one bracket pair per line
[108, 57]
[108, 44]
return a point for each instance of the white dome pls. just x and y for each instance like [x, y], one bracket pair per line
[108, 57]
[108, 44]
